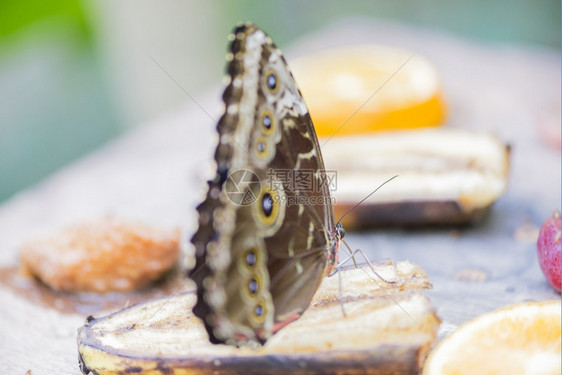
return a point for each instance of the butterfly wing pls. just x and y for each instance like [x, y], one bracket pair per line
[266, 232]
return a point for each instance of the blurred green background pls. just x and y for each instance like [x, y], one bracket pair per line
[75, 74]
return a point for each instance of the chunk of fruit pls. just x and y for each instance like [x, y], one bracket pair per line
[101, 255]
[549, 249]
[519, 339]
[369, 88]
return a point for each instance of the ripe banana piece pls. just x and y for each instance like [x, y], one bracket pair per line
[377, 334]
[446, 176]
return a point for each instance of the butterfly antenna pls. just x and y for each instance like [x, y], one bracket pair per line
[367, 197]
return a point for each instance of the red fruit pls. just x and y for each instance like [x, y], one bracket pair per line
[549, 250]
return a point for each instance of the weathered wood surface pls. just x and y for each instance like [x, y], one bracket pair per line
[154, 174]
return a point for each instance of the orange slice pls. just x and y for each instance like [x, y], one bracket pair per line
[520, 339]
[369, 88]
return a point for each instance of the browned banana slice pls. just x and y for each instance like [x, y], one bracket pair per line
[445, 176]
[378, 334]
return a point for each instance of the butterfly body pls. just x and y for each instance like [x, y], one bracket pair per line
[266, 234]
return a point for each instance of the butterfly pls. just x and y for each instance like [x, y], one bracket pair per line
[266, 235]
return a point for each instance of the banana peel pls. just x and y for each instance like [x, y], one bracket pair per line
[446, 176]
[387, 328]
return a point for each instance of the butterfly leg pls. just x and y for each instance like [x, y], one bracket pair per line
[369, 264]
[339, 266]
[340, 280]
[340, 287]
